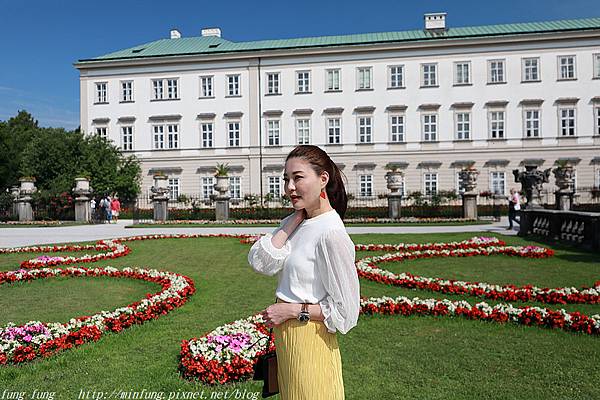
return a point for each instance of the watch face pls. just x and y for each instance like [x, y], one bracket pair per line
[303, 317]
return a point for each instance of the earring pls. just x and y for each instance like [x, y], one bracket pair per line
[323, 195]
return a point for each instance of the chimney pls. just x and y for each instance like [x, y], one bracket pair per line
[211, 32]
[175, 34]
[435, 22]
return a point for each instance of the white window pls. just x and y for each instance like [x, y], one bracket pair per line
[102, 131]
[171, 131]
[597, 119]
[233, 85]
[157, 89]
[429, 123]
[596, 66]
[463, 126]
[275, 186]
[127, 138]
[566, 67]
[496, 71]
[334, 130]
[497, 122]
[172, 92]
[172, 86]
[566, 118]
[206, 132]
[302, 81]
[333, 80]
[273, 83]
[429, 75]
[397, 128]
[364, 78]
[126, 91]
[366, 185]
[531, 69]
[303, 130]
[273, 132]
[207, 186]
[173, 186]
[101, 92]
[430, 183]
[235, 187]
[497, 182]
[531, 119]
[206, 86]
[365, 129]
[233, 132]
[396, 79]
[462, 73]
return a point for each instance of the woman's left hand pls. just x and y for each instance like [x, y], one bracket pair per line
[276, 314]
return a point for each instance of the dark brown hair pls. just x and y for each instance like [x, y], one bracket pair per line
[320, 161]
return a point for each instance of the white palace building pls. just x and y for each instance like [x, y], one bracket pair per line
[430, 101]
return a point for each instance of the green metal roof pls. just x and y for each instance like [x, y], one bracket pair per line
[217, 45]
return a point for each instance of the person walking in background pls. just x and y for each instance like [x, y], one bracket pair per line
[514, 205]
[93, 209]
[115, 207]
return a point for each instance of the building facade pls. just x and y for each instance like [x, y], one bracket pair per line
[429, 101]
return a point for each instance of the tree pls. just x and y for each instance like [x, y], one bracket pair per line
[55, 157]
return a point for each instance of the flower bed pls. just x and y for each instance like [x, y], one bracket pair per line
[36, 339]
[201, 359]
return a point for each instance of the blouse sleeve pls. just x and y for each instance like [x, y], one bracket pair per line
[267, 259]
[336, 256]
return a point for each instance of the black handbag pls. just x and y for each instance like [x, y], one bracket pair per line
[265, 370]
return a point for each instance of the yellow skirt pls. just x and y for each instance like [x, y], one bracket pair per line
[309, 365]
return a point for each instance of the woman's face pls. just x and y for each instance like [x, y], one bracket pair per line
[302, 184]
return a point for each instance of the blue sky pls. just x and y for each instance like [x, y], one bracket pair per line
[40, 40]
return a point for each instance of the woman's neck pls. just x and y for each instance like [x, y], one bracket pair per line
[324, 207]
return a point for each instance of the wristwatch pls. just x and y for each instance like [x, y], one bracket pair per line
[304, 315]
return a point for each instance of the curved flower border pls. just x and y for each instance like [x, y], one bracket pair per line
[369, 270]
[346, 220]
[36, 339]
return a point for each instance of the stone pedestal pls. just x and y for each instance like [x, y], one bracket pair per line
[160, 198]
[82, 202]
[222, 199]
[469, 205]
[564, 200]
[14, 191]
[24, 210]
[161, 209]
[222, 208]
[394, 183]
[394, 205]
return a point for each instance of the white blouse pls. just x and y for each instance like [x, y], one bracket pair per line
[315, 265]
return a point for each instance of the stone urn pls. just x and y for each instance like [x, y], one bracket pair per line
[82, 185]
[532, 183]
[27, 186]
[222, 185]
[394, 181]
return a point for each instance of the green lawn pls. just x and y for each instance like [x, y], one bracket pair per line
[383, 357]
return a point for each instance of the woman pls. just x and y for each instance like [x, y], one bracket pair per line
[514, 205]
[115, 208]
[318, 292]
